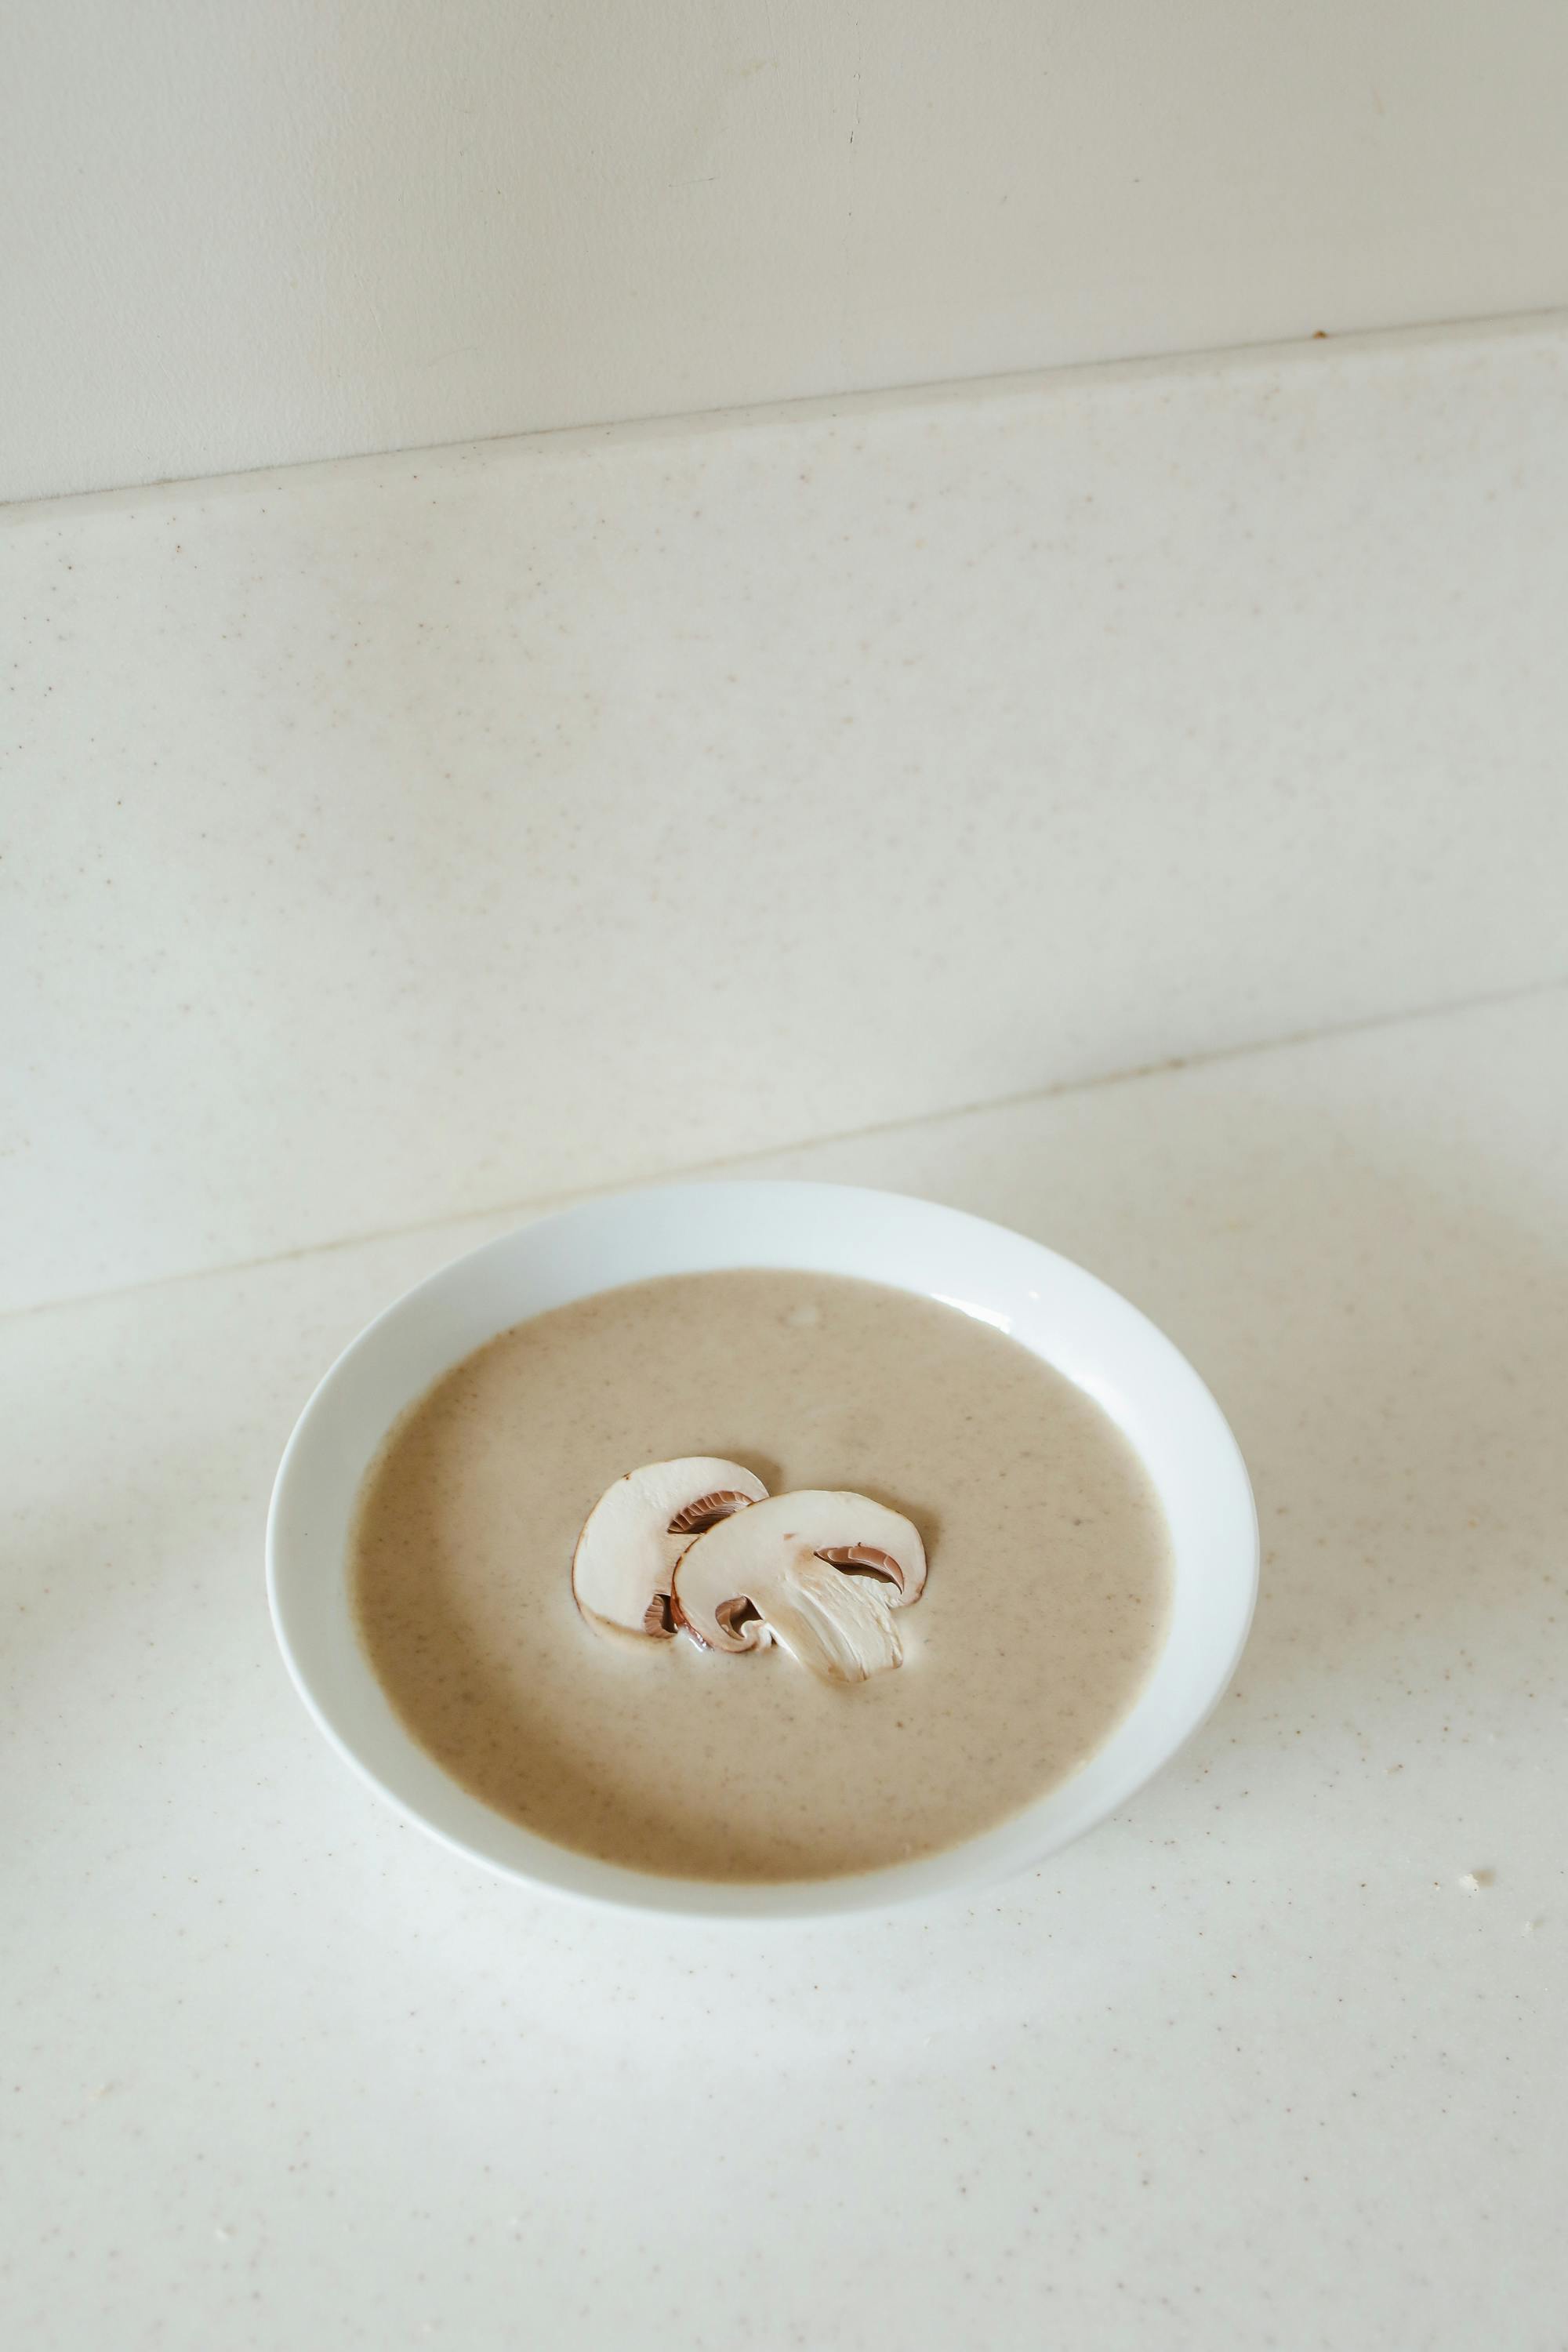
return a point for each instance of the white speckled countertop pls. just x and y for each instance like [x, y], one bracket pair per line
[390, 840]
[1274, 2059]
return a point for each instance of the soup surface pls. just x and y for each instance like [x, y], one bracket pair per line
[1044, 1611]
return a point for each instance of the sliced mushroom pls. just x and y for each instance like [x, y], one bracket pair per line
[777, 1572]
[638, 1529]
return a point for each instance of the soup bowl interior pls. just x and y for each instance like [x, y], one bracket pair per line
[1063, 1315]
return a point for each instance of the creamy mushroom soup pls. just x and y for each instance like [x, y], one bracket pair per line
[1042, 1612]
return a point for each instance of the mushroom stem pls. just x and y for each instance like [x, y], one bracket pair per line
[838, 1625]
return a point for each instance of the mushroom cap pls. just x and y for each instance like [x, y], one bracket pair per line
[631, 1539]
[775, 1573]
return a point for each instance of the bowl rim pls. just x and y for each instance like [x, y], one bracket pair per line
[972, 1865]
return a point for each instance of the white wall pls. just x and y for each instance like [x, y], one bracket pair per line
[420, 833]
[243, 232]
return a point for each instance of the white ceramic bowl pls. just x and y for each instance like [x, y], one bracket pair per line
[1054, 1307]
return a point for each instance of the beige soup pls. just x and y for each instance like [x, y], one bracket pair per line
[1046, 1604]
